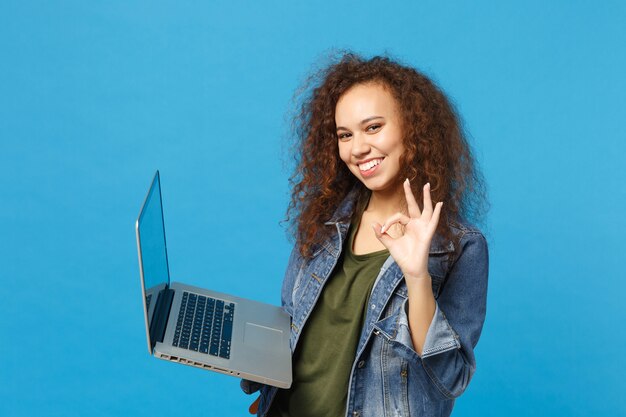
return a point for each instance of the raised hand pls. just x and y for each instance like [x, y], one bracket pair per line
[410, 251]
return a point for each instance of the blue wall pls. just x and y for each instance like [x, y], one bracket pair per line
[94, 96]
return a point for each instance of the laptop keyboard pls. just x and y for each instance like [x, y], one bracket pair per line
[204, 325]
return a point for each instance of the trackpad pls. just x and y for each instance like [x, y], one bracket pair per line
[262, 337]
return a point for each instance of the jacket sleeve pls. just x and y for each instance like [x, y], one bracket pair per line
[448, 352]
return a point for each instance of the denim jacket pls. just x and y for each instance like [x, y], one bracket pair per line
[388, 377]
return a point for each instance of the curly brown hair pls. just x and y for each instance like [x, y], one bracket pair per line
[436, 149]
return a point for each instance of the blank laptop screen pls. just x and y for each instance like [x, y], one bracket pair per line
[152, 242]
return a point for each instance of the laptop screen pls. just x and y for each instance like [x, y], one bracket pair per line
[151, 242]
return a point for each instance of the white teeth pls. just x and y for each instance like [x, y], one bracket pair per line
[369, 165]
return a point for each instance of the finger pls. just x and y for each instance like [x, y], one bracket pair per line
[434, 220]
[396, 218]
[414, 209]
[254, 406]
[428, 204]
[385, 239]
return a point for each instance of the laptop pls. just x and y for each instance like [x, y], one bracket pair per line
[203, 328]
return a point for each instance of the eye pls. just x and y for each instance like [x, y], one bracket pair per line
[374, 127]
[344, 136]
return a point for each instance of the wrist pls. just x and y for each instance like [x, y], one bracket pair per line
[417, 277]
[418, 282]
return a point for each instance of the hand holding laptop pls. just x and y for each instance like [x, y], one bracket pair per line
[204, 328]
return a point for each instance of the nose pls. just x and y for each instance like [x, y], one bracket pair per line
[360, 147]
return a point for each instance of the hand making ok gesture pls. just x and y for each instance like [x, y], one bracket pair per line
[410, 251]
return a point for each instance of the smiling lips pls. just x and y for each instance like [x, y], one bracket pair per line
[367, 168]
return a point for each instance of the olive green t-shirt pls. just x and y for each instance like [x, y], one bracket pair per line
[327, 347]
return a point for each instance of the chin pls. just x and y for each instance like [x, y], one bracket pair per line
[375, 186]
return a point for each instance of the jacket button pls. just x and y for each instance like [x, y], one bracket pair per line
[361, 364]
[356, 413]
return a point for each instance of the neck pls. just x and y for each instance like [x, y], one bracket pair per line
[387, 202]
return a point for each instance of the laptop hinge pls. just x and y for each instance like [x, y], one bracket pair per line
[161, 314]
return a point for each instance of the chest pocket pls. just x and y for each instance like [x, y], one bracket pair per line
[438, 270]
[312, 274]
[397, 298]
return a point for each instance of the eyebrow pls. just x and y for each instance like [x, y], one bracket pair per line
[364, 121]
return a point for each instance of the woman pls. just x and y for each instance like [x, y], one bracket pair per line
[387, 297]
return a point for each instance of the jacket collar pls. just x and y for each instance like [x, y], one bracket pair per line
[343, 213]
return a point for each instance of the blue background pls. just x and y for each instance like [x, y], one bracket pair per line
[94, 96]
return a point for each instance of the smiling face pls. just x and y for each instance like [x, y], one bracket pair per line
[370, 136]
